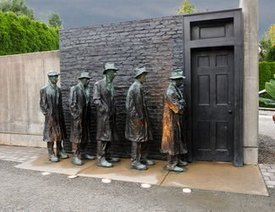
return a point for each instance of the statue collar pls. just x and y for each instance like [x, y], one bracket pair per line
[54, 86]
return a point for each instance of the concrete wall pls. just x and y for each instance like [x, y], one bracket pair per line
[250, 10]
[21, 77]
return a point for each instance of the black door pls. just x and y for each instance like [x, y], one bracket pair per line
[212, 104]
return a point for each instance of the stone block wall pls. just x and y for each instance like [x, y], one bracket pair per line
[154, 43]
[21, 77]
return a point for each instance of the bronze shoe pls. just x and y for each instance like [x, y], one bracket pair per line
[53, 158]
[77, 161]
[63, 155]
[104, 163]
[148, 162]
[138, 166]
[182, 163]
[175, 168]
[88, 157]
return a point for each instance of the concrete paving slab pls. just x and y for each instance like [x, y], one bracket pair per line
[123, 172]
[219, 177]
[63, 167]
[199, 175]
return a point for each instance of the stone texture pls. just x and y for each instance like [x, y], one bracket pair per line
[21, 77]
[251, 155]
[250, 17]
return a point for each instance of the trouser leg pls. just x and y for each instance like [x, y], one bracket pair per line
[136, 156]
[136, 152]
[172, 164]
[50, 148]
[84, 153]
[51, 154]
[76, 154]
[106, 150]
[102, 149]
[60, 152]
[172, 160]
[144, 151]
[58, 147]
[76, 149]
[83, 147]
[108, 155]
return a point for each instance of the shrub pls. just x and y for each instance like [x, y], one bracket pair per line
[20, 34]
[266, 72]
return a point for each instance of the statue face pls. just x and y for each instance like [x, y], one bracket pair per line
[85, 81]
[111, 74]
[179, 82]
[53, 79]
[142, 78]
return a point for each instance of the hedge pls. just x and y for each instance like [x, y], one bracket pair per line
[20, 34]
[266, 72]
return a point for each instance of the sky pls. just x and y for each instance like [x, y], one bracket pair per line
[77, 13]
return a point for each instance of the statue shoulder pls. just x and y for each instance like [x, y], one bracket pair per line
[170, 90]
[44, 88]
[74, 88]
[99, 82]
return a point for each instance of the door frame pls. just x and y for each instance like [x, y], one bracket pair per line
[236, 42]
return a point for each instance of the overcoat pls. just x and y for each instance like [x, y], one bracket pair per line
[103, 97]
[51, 107]
[172, 138]
[137, 128]
[79, 106]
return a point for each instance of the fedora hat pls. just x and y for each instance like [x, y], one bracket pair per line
[52, 73]
[84, 75]
[177, 74]
[139, 71]
[109, 66]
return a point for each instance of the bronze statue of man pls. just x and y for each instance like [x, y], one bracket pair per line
[103, 98]
[54, 127]
[172, 137]
[137, 129]
[79, 106]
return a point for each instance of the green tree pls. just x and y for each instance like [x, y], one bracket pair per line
[272, 34]
[186, 8]
[17, 6]
[266, 45]
[55, 20]
[20, 34]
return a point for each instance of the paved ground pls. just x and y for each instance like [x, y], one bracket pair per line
[25, 190]
[266, 125]
[24, 154]
[267, 137]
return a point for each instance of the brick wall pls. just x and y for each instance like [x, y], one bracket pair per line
[154, 43]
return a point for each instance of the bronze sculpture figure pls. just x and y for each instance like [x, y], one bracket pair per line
[172, 138]
[79, 106]
[54, 127]
[137, 130]
[103, 98]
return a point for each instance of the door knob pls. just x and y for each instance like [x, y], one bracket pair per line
[230, 111]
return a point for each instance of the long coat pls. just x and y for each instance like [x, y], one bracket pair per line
[136, 129]
[172, 138]
[106, 111]
[51, 107]
[79, 106]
